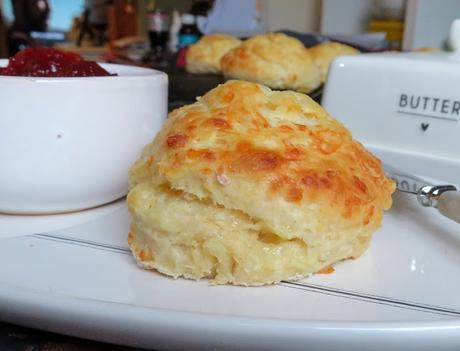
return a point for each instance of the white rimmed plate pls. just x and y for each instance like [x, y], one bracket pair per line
[402, 293]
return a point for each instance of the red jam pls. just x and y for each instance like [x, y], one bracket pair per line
[46, 62]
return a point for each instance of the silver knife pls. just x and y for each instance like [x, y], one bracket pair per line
[445, 198]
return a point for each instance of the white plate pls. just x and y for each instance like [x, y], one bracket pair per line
[403, 293]
[12, 225]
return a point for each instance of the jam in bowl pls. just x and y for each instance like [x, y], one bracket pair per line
[46, 62]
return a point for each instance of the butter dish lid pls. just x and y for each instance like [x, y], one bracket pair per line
[403, 106]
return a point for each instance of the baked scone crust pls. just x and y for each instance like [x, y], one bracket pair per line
[324, 53]
[252, 186]
[204, 56]
[275, 60]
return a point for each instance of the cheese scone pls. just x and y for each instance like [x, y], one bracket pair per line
[324, 53]
[251, 186]
[204, 56]
[275, 60]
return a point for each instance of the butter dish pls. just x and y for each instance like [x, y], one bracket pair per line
[404, 106]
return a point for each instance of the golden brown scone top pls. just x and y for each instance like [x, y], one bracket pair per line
[324, 53]
[204, 56]
[273, 155]
[275, 60]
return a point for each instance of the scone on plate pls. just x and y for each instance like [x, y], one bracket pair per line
[324, 53]
[204, 56]
[251, 186]
[275, 60]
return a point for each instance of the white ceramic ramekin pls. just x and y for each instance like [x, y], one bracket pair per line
[66, 144]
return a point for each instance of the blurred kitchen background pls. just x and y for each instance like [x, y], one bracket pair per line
[145, 31]
[156, 33]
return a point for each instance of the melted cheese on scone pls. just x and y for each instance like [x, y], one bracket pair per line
[252, 186]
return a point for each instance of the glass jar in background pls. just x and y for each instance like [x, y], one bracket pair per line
[388, 17]
[189, 32]
[158, 28]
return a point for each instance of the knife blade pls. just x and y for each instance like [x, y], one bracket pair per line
[445, 198]
[405, 182]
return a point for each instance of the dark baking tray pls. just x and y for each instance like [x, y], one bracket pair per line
[184, 87]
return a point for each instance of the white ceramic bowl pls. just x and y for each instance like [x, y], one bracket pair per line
[67, 144]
